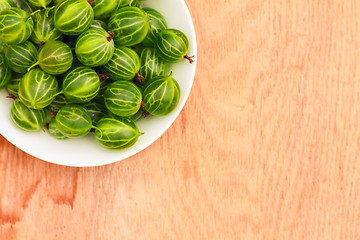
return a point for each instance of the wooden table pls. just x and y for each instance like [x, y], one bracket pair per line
[267, 146]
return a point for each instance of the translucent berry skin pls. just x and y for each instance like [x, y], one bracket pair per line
[130, 26]
[44, 28]
[73, 121]
[123, 66]
[37, 89]
[94, 47]
[172, 45]
[30, 120]
[161, 96]
[105, 8]
[123, 98]
[117, 132]
[20, 57]
[54, 130]
[152, 66]
[16, 26]
[81, 84]
[73, 17]
[55, 57]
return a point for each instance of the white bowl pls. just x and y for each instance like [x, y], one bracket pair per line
[86, 152]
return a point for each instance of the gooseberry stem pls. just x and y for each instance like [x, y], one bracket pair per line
[146, 114]
[103, 76]
[110, 37]
[34, 12]
[53, 112]
[12, 96]
[48, 10]
[42, 43]
[91, 1]
[143, 104]
[140, 78]
[37, 63]
[189, 58]
[137, 83]
[61, 92]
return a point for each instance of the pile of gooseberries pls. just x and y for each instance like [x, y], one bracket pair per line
[77, 67]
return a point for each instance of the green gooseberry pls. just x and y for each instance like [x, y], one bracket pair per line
[73, 121]
[151, 65]
[161, 95]
[27, 119]
[130, 26]
[172, 46]
[123, 98]
[104, 8]
[96, 111]
[55, 58]
[95, 47]
[20, 57]
[81, 84]
[116, 132]
[157, 24]
[16, 25]
[40, 3]
[124, 65]
[72, 17]
[54, 130]
[13, 85]
[5, 72]
[37, 89]
[44, 28]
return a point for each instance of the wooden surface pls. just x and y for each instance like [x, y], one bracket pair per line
[267, 146]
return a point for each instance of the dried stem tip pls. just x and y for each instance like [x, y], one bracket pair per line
[140, 78]
[146, 114]
[53, 112]
[103, 76]
[110, 37]
[189, 58]
[12, 96]
[42, 43]
[143, 104]
[91, 1]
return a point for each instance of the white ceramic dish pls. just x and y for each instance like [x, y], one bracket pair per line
[86, 152]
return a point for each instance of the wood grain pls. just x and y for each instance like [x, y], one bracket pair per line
[267, 146]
